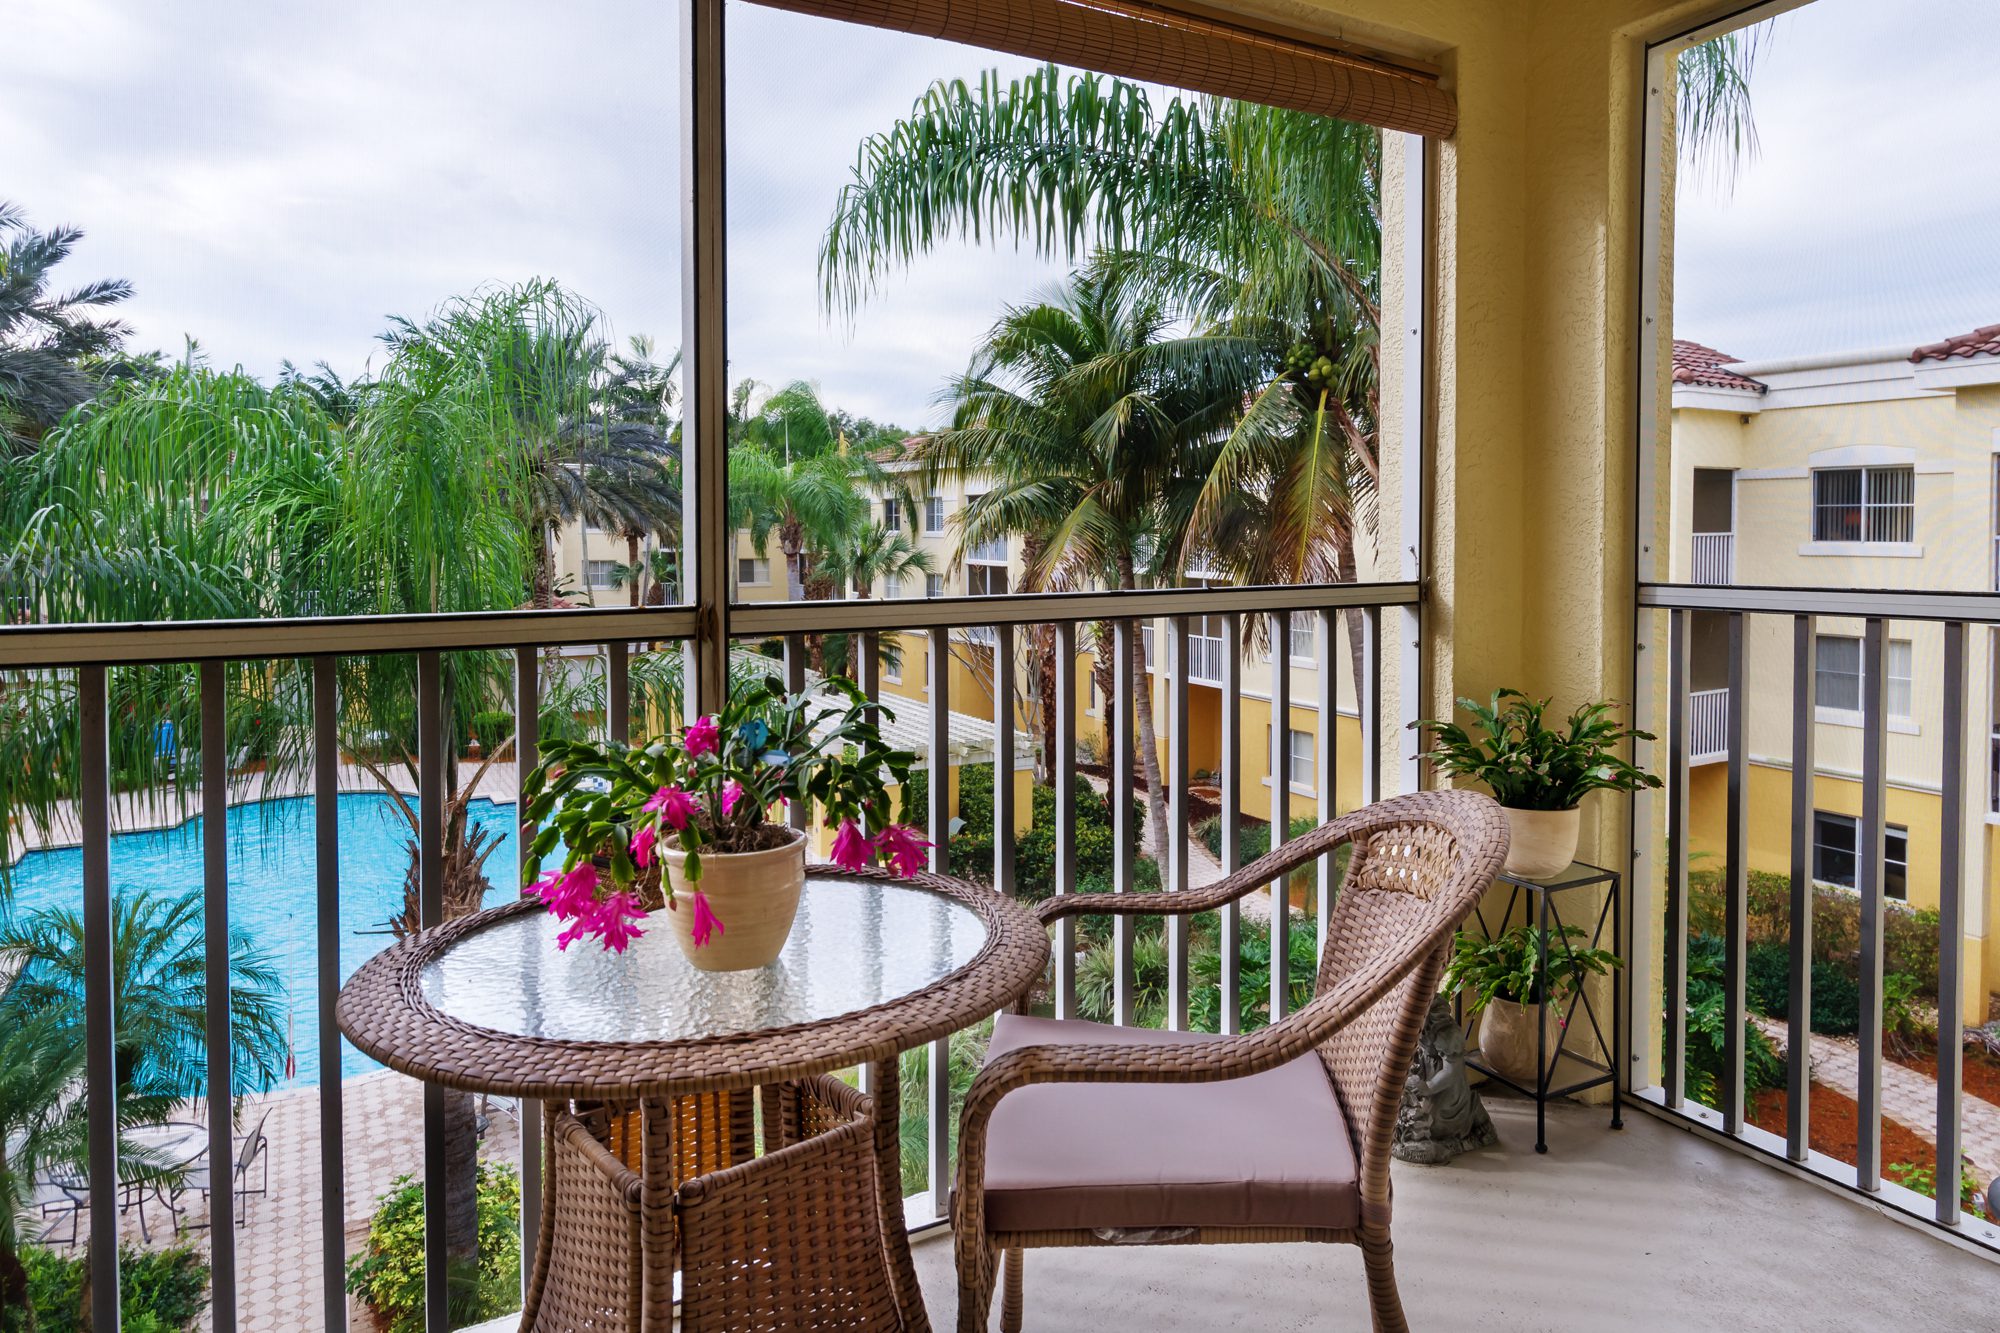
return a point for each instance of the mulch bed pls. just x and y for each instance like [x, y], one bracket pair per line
[1835, 1120]
[1982, 1071]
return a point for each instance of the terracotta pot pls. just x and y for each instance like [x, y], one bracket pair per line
[1507, 1039]
[754, 894]
[1541, 843]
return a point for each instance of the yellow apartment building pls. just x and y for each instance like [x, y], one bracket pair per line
[1872, 469]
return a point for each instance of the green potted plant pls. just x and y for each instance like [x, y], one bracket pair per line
[698, 816]
[1506, 980]
[1539, 774]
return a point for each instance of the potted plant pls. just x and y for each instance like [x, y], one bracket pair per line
[695, 816]
[1539, 774]
[1507, 981]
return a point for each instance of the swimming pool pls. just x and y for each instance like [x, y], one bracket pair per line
[272, 864]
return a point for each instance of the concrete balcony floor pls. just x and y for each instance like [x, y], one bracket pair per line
[1648, 1228]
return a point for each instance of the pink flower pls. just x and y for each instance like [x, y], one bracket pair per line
[851, 848]
[617, 920]
[732, 792]
[901, 848]
[573, 932]
[701, 738]
[568, 894]
[706, 922]
[674, 806]
[642, 845]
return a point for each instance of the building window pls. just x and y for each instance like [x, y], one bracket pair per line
[892, 585]
[985, 580]
[601, 573]
[892, 660]
[1837, 675]
[1299, 757]
[1864, 504]
[1302, 635]
[892, 515]
[751, 573]
[933, 514]
[1837, 854]
[933, 585]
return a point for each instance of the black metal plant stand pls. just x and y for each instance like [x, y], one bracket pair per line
[1541, 896]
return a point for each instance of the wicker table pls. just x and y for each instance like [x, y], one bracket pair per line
[652, 1074]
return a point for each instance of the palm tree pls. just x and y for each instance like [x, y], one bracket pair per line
[45, 338]
[161, 1056]
[1092, 419]
[872, 552]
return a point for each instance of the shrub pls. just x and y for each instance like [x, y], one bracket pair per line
[160, 1291]
[1707, 1027]
[492, 729]
[1909, 935]
[389, 1273]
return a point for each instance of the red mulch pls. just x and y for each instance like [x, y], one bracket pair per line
[1835, 1119]
[1982, 1071]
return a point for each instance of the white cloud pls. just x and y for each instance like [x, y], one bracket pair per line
[1868, 218]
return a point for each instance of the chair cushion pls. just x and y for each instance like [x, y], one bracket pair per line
[1271, 1150]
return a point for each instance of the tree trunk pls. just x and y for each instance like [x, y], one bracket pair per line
[15, 1312]
[1345, 572]
[1042, 644]
[1100, 671]
[544, 593]
[1142, 707]
[632, 564]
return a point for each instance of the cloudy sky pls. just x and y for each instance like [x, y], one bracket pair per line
[1870, 215]
[276, 179]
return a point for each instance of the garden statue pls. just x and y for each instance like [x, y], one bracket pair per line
[1441, 1115]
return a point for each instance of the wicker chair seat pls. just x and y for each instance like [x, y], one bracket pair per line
[1269, 1150]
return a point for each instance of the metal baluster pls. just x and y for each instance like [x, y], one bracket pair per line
[939, 1072]
[1063, 765]
[1735, 872]
[1176, 850]
[527, 754]
[1874, 730]
[1123, 835]
[1003, 759]
[708, 536]
[326, 877]
[431, 759]
[1370, 706]
[799, 813]
[100, 1017]
[215, 998]
[1229, 933]
[1281, 808]
[871, 688]
[1327, 762]
[1951, 928]
[1673, 1069]
[1798, 1048]
[618, 691]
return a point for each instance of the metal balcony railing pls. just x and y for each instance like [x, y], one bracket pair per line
[1704, 879]
[634, 645]
[1714, 558]
[1708, 726]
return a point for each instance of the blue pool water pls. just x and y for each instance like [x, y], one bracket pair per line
[272, 866]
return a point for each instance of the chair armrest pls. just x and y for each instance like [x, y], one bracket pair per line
[1281, 860]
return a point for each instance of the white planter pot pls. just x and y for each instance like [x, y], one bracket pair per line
[1507, 1040]
[754, 894]
[1541, 843]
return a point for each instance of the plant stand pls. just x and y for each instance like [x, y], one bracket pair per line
[1561, 1072]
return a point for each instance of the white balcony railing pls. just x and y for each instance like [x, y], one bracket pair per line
[1708, 726]
[1714, 558]
[1205, 659]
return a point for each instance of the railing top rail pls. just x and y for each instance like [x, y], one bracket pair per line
[1928, 604]
[44, 646]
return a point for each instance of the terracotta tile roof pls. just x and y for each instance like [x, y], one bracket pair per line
[1696, 364]
[1984, 341]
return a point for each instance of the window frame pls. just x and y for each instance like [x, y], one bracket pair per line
[1839, 714]
[1895, 869]
[753, 561]
[1898, 515]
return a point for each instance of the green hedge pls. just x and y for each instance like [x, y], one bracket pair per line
[389, 1273]
[1035, 850]
[160, 1291]
[1909, 934]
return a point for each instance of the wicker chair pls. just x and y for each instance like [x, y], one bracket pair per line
[789, 1239]
[1278, 1135]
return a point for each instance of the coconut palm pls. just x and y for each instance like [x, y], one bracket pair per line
[46, 338]
[1092, 421]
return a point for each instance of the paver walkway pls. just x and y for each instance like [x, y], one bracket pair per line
[1908, 1097]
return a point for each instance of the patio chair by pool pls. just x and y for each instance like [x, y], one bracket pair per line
[59, 1206]
[252, 1155]
[1081, 1134]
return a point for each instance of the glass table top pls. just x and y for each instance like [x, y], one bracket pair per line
[855, 944]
